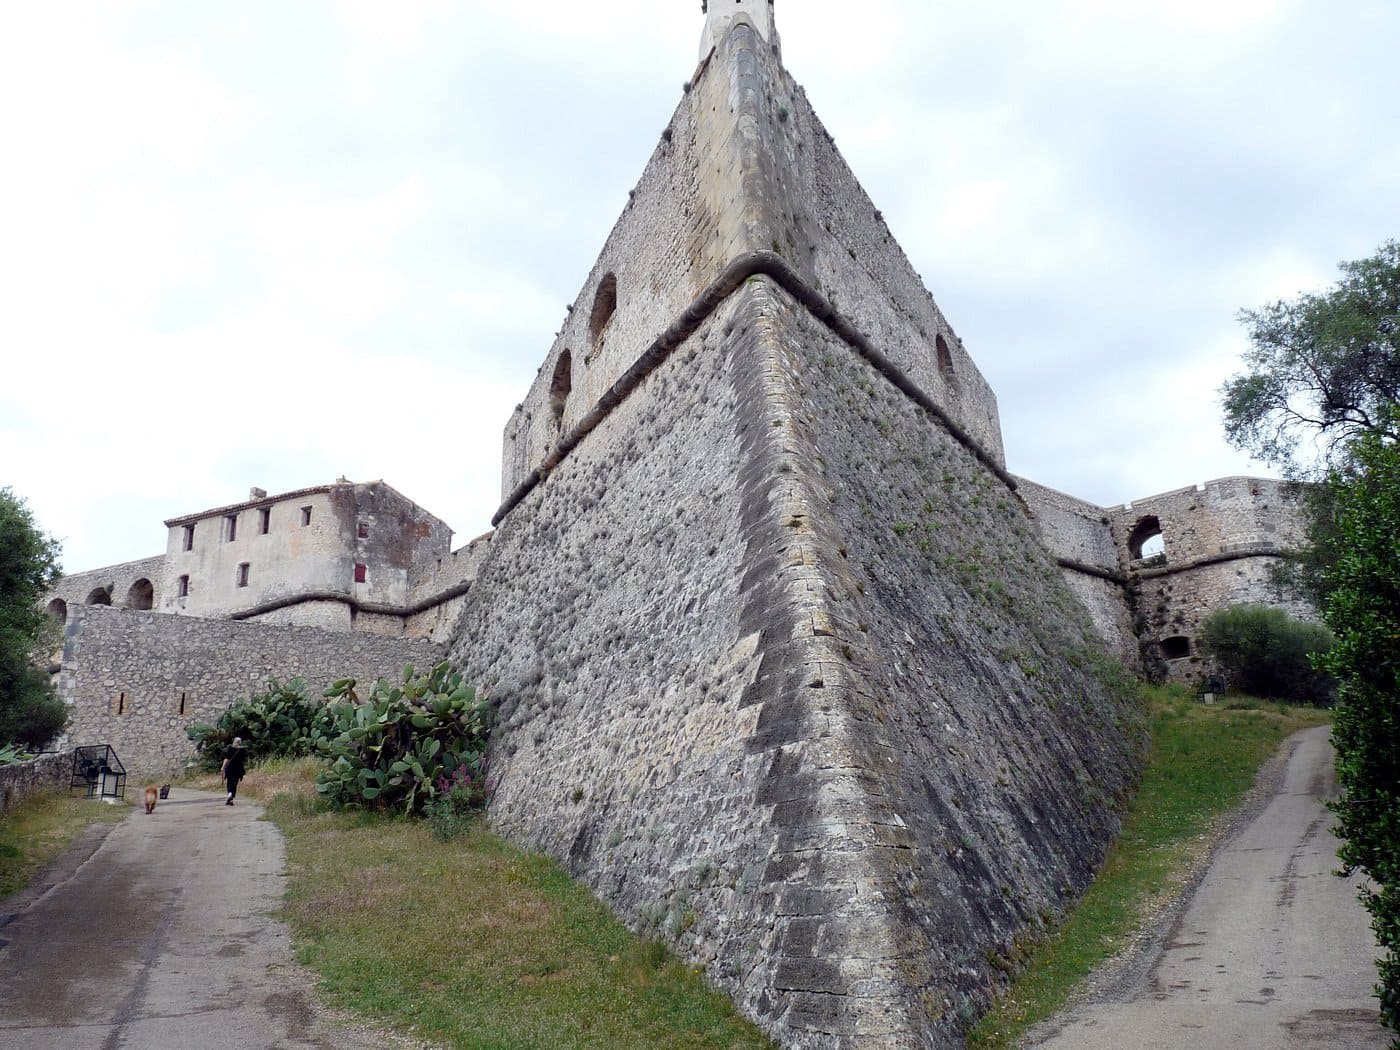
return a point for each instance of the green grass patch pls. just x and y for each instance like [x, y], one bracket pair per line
[37, 830]
[472, 942]
[1201, 762]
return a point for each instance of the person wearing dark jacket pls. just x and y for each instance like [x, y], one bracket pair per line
[233, 768]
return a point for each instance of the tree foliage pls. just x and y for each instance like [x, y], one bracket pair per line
[1323, 367]
[30, 714]
[1265, 652]
[1326, 368]
[1363, 611]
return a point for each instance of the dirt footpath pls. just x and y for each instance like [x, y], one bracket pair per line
[1270, 951]
[155, 933]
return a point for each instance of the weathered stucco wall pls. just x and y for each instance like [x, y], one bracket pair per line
[136, 680]
[309, 553]
[748, 716]
[46, 773]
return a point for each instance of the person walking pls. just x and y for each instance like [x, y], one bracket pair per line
[233, 768]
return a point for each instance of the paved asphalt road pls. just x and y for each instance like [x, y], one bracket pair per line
[1270, 951]
[154, 934]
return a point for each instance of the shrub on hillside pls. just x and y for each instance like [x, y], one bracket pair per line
[1267, 653]
[281, 722]
[396, 744]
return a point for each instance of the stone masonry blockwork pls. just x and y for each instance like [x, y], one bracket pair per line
[752, 743]
[47, 772]
[126, 674]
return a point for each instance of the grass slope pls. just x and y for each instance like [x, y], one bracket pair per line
[472, 942]
[38, 829]
[1201, 763]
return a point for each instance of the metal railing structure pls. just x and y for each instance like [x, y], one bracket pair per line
[98, 771]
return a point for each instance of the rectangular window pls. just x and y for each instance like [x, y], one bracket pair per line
[119, 706]
[180, 708]
[189, 538]
[305, 516]
[231, 529]
[182, 587]
[364, 531]
[360, 572]
[243, 575]
[264, 519]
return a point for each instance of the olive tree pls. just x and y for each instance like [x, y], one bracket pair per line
[30, 714]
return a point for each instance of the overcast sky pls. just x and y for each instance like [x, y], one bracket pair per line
[269, 243]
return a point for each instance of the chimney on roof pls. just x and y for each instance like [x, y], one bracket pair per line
[256, 493]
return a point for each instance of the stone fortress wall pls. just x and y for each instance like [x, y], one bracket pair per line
[680, 232]
[46, 773]
[1215, 545]
[1220, 542]
[130, 585]
[135, 680]
[759, 621]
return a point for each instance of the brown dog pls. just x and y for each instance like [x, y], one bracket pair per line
[151, 795]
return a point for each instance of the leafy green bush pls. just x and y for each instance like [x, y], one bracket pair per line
[1267, 653]
[1363, 607]
[282, 722]
[30, 714]
[395, 744]
[13, 756]
[453, 810]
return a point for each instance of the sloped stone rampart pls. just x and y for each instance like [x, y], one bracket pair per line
[994, 735]
[725, 715]
[47, 772]
[1080, 537]
[606, 620]
[135, 680]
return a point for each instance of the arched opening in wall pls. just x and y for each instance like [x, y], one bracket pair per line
[560, 386]
[945, 361]
[58, 609]
[1145, 541]
[604, 306]
[1178, 647]
[100, 596]
[142, 595]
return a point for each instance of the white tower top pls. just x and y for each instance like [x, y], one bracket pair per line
[719, 14]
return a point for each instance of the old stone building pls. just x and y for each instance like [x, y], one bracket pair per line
[345, 556]
[791, 671]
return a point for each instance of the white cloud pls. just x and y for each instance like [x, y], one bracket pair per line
[269, 244]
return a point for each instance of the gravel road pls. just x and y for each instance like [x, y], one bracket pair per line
[1270, 950]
